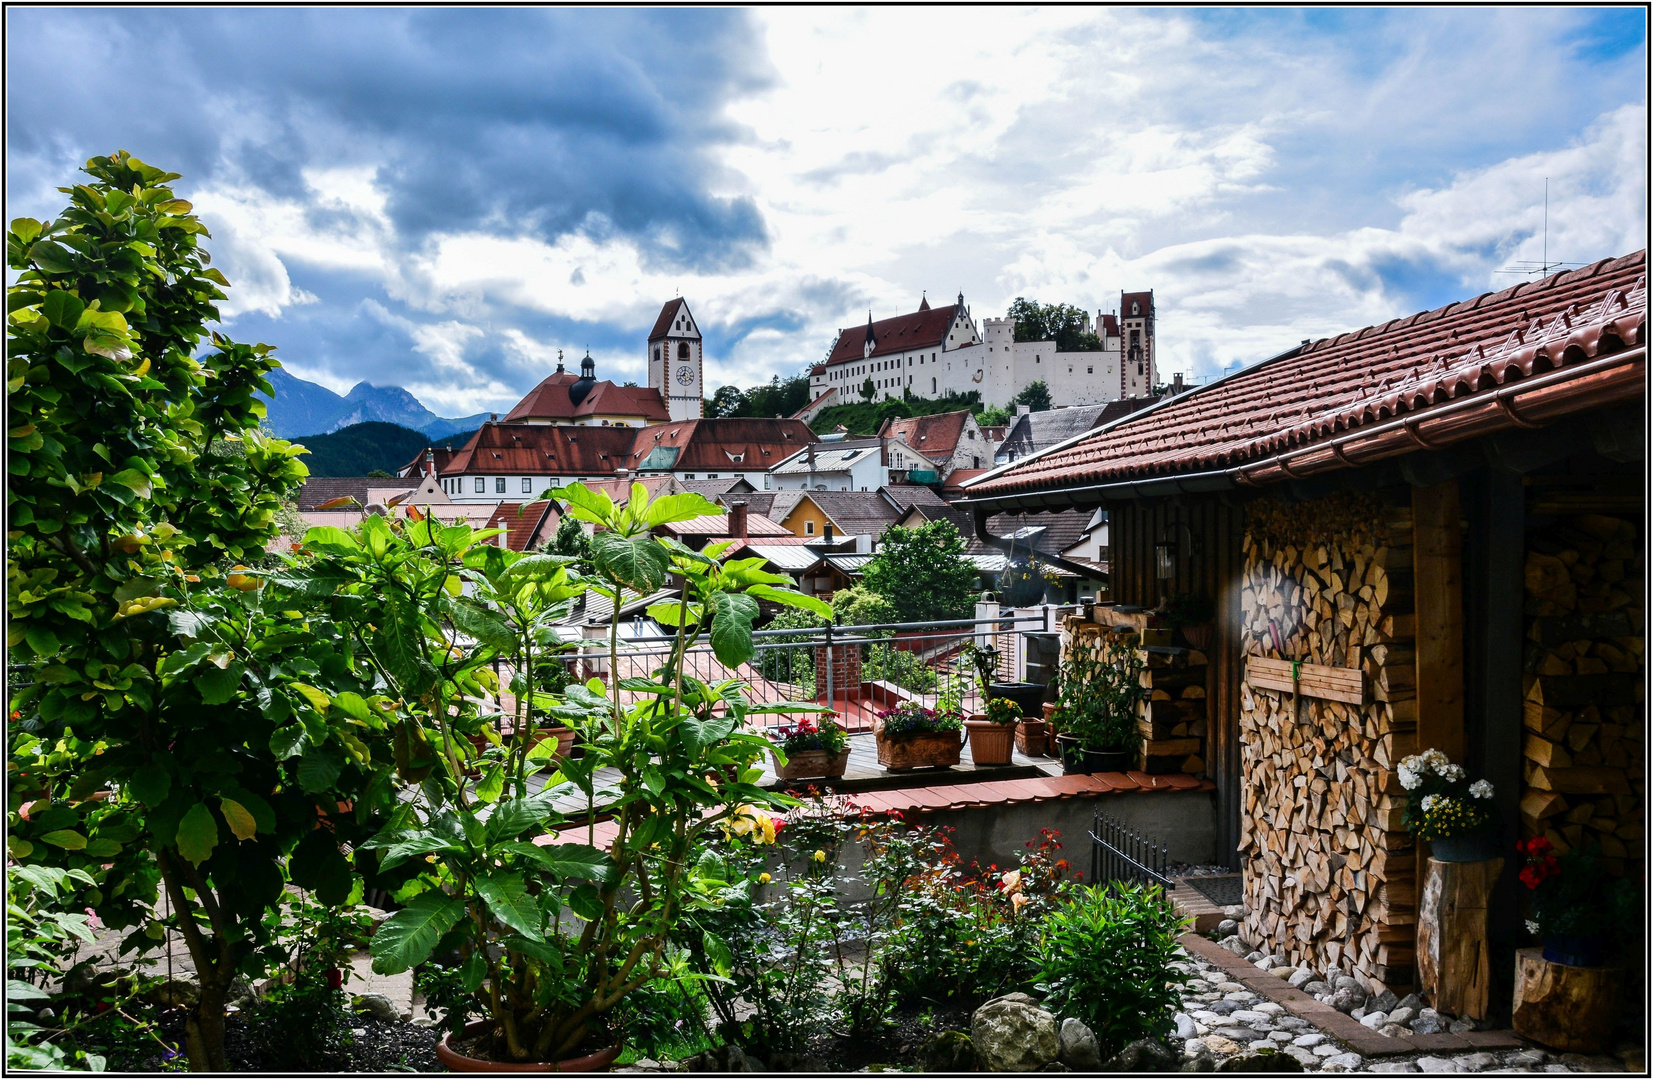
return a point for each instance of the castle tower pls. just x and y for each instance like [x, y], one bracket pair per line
[1137, 376]
[675, 368]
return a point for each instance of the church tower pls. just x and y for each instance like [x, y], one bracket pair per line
[675, 361]
[1137, 374]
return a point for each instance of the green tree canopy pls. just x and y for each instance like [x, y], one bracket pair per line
[777, 397]
[1035, 395]
[1062, 323]
[923, 573]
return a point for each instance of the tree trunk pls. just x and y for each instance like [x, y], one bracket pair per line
[204, 1027]
[1454, 965]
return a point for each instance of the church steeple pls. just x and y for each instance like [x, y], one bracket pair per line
[924, 301]
[871, 342]
[580, 387]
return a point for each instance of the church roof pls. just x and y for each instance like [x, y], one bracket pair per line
[1147, 299]
[550, 401]
[543, 449]
[668, 315]
[747, 444]
[922, 329]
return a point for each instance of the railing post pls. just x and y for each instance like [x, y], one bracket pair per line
[829, 663]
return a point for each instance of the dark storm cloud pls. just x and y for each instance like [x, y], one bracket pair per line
[505, 120]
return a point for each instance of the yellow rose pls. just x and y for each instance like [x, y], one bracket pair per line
[764, 879]
[819, 856]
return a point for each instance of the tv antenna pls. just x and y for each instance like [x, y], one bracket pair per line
[1546, 267]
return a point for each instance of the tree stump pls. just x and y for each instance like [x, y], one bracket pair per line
[1454, 965]
[1566, 1008]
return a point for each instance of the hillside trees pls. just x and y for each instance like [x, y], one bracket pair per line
[923, 573]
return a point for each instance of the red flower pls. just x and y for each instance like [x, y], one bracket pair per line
[1538, 845]
[335, 978]
[1531, 876]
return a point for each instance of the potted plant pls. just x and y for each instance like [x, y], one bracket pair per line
[1192, 614]
[1577, 907]
[546, 940]
[910, 736]
[993, 734]
[1455, 816]
[809, 749]
[1101, 689]
[984, 661]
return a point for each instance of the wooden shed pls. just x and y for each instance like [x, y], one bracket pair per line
[1429, 533]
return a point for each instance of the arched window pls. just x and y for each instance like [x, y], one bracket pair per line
[657, 352]
[932, 386]
[682, 350]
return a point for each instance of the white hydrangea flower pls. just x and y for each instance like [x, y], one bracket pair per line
[1532, 927]
[1411, 761]
[1435, 759]
[1429, 802]
[1481, 789]
[1451, 773]
[1409, 777]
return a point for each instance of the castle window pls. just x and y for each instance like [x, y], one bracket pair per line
[682, 350]
[932, 386]
[499, 485]
[527, 485]
[481, 484]
[1090, 370]
[657, 352]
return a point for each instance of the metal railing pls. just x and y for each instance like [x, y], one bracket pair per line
[1121, 854]
[855, 670]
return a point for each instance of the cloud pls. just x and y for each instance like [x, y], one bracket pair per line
[443, 198]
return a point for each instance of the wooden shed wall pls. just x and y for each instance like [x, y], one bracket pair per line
[1208, 536]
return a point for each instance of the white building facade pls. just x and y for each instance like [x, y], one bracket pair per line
[934, 352]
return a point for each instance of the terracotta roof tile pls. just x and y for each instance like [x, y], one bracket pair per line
[667, 314]
[915, 330]
[543, 449]
[935, 436]
[1395, 371]
[550, 402]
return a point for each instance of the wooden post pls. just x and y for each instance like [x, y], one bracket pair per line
[1566, 1008]
[1454, 963]
[1437, 565]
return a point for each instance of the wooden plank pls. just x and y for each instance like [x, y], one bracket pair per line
[1313, 680]
[1437, 565]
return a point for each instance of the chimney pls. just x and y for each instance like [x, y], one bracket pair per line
[430, 461]
[1176, 383]
[621, 473]
[827, 536]
[493, 418]
[737, 519]
[1023, 410]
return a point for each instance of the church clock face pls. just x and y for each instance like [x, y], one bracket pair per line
[685, 375]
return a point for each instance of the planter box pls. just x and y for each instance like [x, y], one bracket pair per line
[938, 750]
[1566, 1008]
[812, 764]
[990, 744]
[1032, 738]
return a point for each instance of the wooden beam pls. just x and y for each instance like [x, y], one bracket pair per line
[1437, 565]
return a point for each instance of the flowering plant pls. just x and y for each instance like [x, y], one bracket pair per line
[1572, 893]
[1444, 803]
[910, 718]
[806, 734]
[1003, 711]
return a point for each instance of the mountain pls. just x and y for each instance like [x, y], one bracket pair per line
[304, 408]
[358, 449]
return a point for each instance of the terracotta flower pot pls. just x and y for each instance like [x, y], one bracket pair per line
[810, 764]
[1049, 708]
[937, 749]
[454, 1061]
[990, 743]
[1032, 737]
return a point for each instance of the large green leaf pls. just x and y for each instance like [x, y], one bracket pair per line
[285, 742]
[399, 644]
[197, 834]
[698, 734]
[407, 937]
[587, 505]
[732, 627]
[240, 819]
[418, 844]
[513, 816]
[684, 507]
[507, 898]
[483, 625]
[636, 562]
[150, 784]
[791, 599]
[564, 860]
[319, 768]
[218, 685]
[65, 838]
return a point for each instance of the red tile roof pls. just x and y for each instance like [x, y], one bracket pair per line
[543, 449]
[416, 467]
[668, 313]
[1110, 326]
[718, 525]
[549, 401]
[951, 489]
[725, 443]
[923, 329]
[526, 524]
[1147, 299]
[1425, 380]
[936, 436]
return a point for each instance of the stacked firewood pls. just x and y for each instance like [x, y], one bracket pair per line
[1330, 874]
[1173, 716]
[1584, 712]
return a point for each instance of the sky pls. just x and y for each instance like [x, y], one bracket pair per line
[444, 198]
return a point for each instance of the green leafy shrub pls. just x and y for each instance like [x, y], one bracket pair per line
[899, 666]
[1106, 958]
[910, 718]
[303, 1025]
[1003, 711]
[1100, 689]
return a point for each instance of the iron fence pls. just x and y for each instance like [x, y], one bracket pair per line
[856, 671]
[1122, 854]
